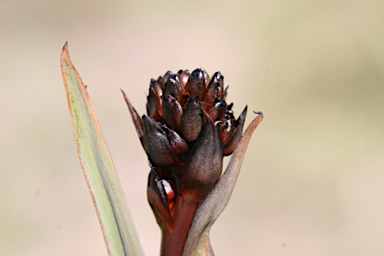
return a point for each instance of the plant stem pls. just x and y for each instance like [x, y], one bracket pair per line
[173, 240]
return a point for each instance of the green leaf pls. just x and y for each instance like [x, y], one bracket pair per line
[198, 243]
[107, 194]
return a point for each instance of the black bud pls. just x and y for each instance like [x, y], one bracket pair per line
[214, 90]
[191, 120]
[183, 80]
[153, 99]
[172, 87]
[236, 137]
[156, 144]
[217, 111]
[197, 82]
[171, 111]
[227, 128]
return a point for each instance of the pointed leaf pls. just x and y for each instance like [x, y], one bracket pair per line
[198, 243]
[99, 171]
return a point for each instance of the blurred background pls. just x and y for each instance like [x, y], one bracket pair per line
[312, 180]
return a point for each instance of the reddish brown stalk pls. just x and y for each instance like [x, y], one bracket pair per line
[173, 240]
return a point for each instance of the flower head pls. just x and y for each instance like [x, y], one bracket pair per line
[187, 131]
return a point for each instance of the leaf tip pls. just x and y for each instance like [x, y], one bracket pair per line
[64, 52]
[261, 115]
[65, 45]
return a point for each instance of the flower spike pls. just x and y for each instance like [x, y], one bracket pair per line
[188, 131]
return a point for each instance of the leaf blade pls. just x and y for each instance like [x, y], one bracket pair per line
[107, 195]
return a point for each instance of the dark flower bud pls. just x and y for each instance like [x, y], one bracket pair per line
[222, 108]
[153, 100]
[183, 80]
[172, 87]
[178, 145]
[163, 79]
[158, 199]
[155, 84]
[214, 90]
[167, 75]
[218, 78]
[227, 128]
[156, 143]
[218, 110]
[206, 77]
[203, 164]
[197, 83]
[191, 120]
[171, 111]
[232, 144]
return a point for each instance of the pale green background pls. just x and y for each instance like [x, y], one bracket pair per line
[312, 181]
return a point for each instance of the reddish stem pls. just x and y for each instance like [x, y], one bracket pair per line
[173, 239]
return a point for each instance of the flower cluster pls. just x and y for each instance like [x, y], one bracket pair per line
[187, 131]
